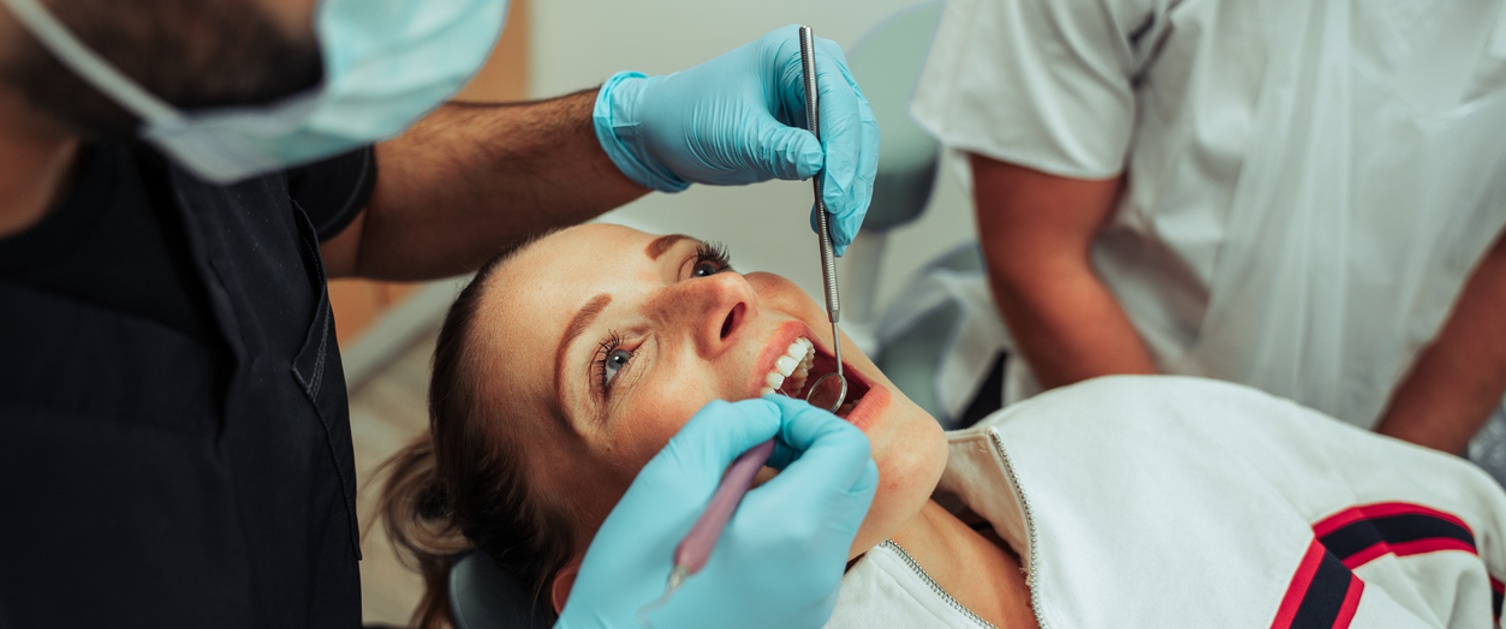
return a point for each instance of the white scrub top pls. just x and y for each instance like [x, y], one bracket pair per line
[1309, 182]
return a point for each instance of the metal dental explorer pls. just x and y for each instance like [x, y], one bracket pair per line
[695, 549]
[823, 225]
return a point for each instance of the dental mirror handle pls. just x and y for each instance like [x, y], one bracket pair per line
[823, 221]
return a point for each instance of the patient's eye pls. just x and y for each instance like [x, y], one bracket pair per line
[612, 360]
[613, 363]
[710, 258]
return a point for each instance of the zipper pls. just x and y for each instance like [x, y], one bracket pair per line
[1035, 559]
[890, 544]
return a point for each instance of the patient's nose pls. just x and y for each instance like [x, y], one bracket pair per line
[712, 308]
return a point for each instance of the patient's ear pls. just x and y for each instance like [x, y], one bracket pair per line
[559, 590]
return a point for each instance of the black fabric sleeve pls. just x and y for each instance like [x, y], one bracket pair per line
[334, 191]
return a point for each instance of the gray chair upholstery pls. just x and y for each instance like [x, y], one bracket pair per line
[911, 357]
[483, 596]
[886, 63]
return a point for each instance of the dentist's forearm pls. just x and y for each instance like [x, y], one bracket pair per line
[470, 179]
[1459, 379]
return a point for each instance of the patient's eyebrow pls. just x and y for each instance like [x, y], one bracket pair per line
[578, 324]
[662, 244]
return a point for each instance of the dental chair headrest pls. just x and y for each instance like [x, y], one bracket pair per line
[483, 596]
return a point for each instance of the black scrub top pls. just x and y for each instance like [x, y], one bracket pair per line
[175, 442]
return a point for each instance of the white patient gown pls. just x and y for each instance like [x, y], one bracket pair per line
[1180, 502]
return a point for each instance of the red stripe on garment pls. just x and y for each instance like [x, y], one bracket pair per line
[1351, 603]
[1334, 529]
[1422, 546]
[1298, 588]
[1407, 549]
[1380, 510]
[1366, 556]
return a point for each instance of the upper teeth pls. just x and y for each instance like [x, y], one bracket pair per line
[790, 368]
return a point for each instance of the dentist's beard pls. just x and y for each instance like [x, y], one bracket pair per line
[190, 53]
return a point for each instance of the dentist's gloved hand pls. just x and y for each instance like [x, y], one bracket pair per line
[780, 560]
[740, 119]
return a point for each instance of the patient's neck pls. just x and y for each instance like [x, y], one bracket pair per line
[975, 568]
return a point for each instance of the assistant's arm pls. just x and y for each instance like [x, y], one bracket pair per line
[469, 179]
[1460, 378]
[1036, 231]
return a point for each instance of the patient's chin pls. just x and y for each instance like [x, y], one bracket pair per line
[911, 458]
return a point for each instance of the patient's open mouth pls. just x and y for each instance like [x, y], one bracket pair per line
[801, 366]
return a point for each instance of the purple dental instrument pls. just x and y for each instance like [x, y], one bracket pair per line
[693, 551]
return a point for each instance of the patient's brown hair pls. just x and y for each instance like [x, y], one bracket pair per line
[464, 485]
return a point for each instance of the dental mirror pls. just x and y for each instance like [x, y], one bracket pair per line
[831, 390]
[828, 392]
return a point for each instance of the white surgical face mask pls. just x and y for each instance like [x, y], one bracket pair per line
[386, 64]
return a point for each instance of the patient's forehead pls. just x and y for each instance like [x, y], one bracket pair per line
[592, 242]
[530, 300]
[584, 258]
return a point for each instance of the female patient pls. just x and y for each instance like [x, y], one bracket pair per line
[570, 361]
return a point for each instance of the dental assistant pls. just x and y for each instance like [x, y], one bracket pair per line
[179, 180]
[1305, 197]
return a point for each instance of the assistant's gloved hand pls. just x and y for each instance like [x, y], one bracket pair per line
[740, 119]
[780, 560]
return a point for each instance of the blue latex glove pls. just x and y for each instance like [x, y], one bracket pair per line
[781, 558]
[740, 119]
